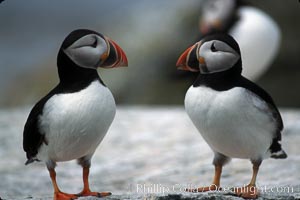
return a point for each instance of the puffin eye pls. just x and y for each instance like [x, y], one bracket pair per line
[94, 43]
[213, 48]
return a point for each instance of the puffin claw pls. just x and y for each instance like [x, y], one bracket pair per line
[94, 194]
[104, 194]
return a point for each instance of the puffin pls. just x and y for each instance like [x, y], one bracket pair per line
[256, 32]
[72, 119]
[236, 117]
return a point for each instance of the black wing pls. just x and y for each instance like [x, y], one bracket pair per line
[33, 138]
[245, 83]
[275, 147]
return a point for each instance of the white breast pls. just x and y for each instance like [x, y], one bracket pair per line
[75, 123]
[259, 39]
[234, 122]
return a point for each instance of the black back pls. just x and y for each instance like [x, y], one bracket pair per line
[232, 78]
[33, 137]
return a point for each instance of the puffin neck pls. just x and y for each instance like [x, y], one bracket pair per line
[71, 74]
[220, 81]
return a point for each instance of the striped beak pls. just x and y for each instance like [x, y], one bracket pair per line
[115, 56]
[188, 61]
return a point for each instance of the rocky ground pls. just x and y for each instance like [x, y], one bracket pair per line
[149, 153]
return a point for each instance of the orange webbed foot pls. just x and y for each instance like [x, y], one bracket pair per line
[247, 192]
[64, 196]
[94, 194]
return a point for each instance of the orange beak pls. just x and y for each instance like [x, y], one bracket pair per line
[121, 56]
[188, 60]
[206, 28]
[115, 57]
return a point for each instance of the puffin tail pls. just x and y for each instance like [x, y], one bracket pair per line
[279, 154]
[31, 160]
[276, 151]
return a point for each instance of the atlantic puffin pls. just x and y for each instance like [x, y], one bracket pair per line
[237, 118]
[72, 119]
[256, 32]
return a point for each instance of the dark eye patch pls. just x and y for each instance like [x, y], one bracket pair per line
[213, 48]
[94, 43]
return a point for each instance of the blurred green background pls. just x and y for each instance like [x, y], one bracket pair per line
[153, 35]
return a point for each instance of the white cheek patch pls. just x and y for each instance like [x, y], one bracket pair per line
[84, 54]
[221, 60]
[87, 57]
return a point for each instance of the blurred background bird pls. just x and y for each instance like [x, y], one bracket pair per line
[148, 30]
[256, 32]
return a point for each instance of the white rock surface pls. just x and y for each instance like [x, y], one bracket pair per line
[153, 146]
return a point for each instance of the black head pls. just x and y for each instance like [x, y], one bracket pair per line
[218, 15]
[89, 49]
[213, 54]
[84, 50]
